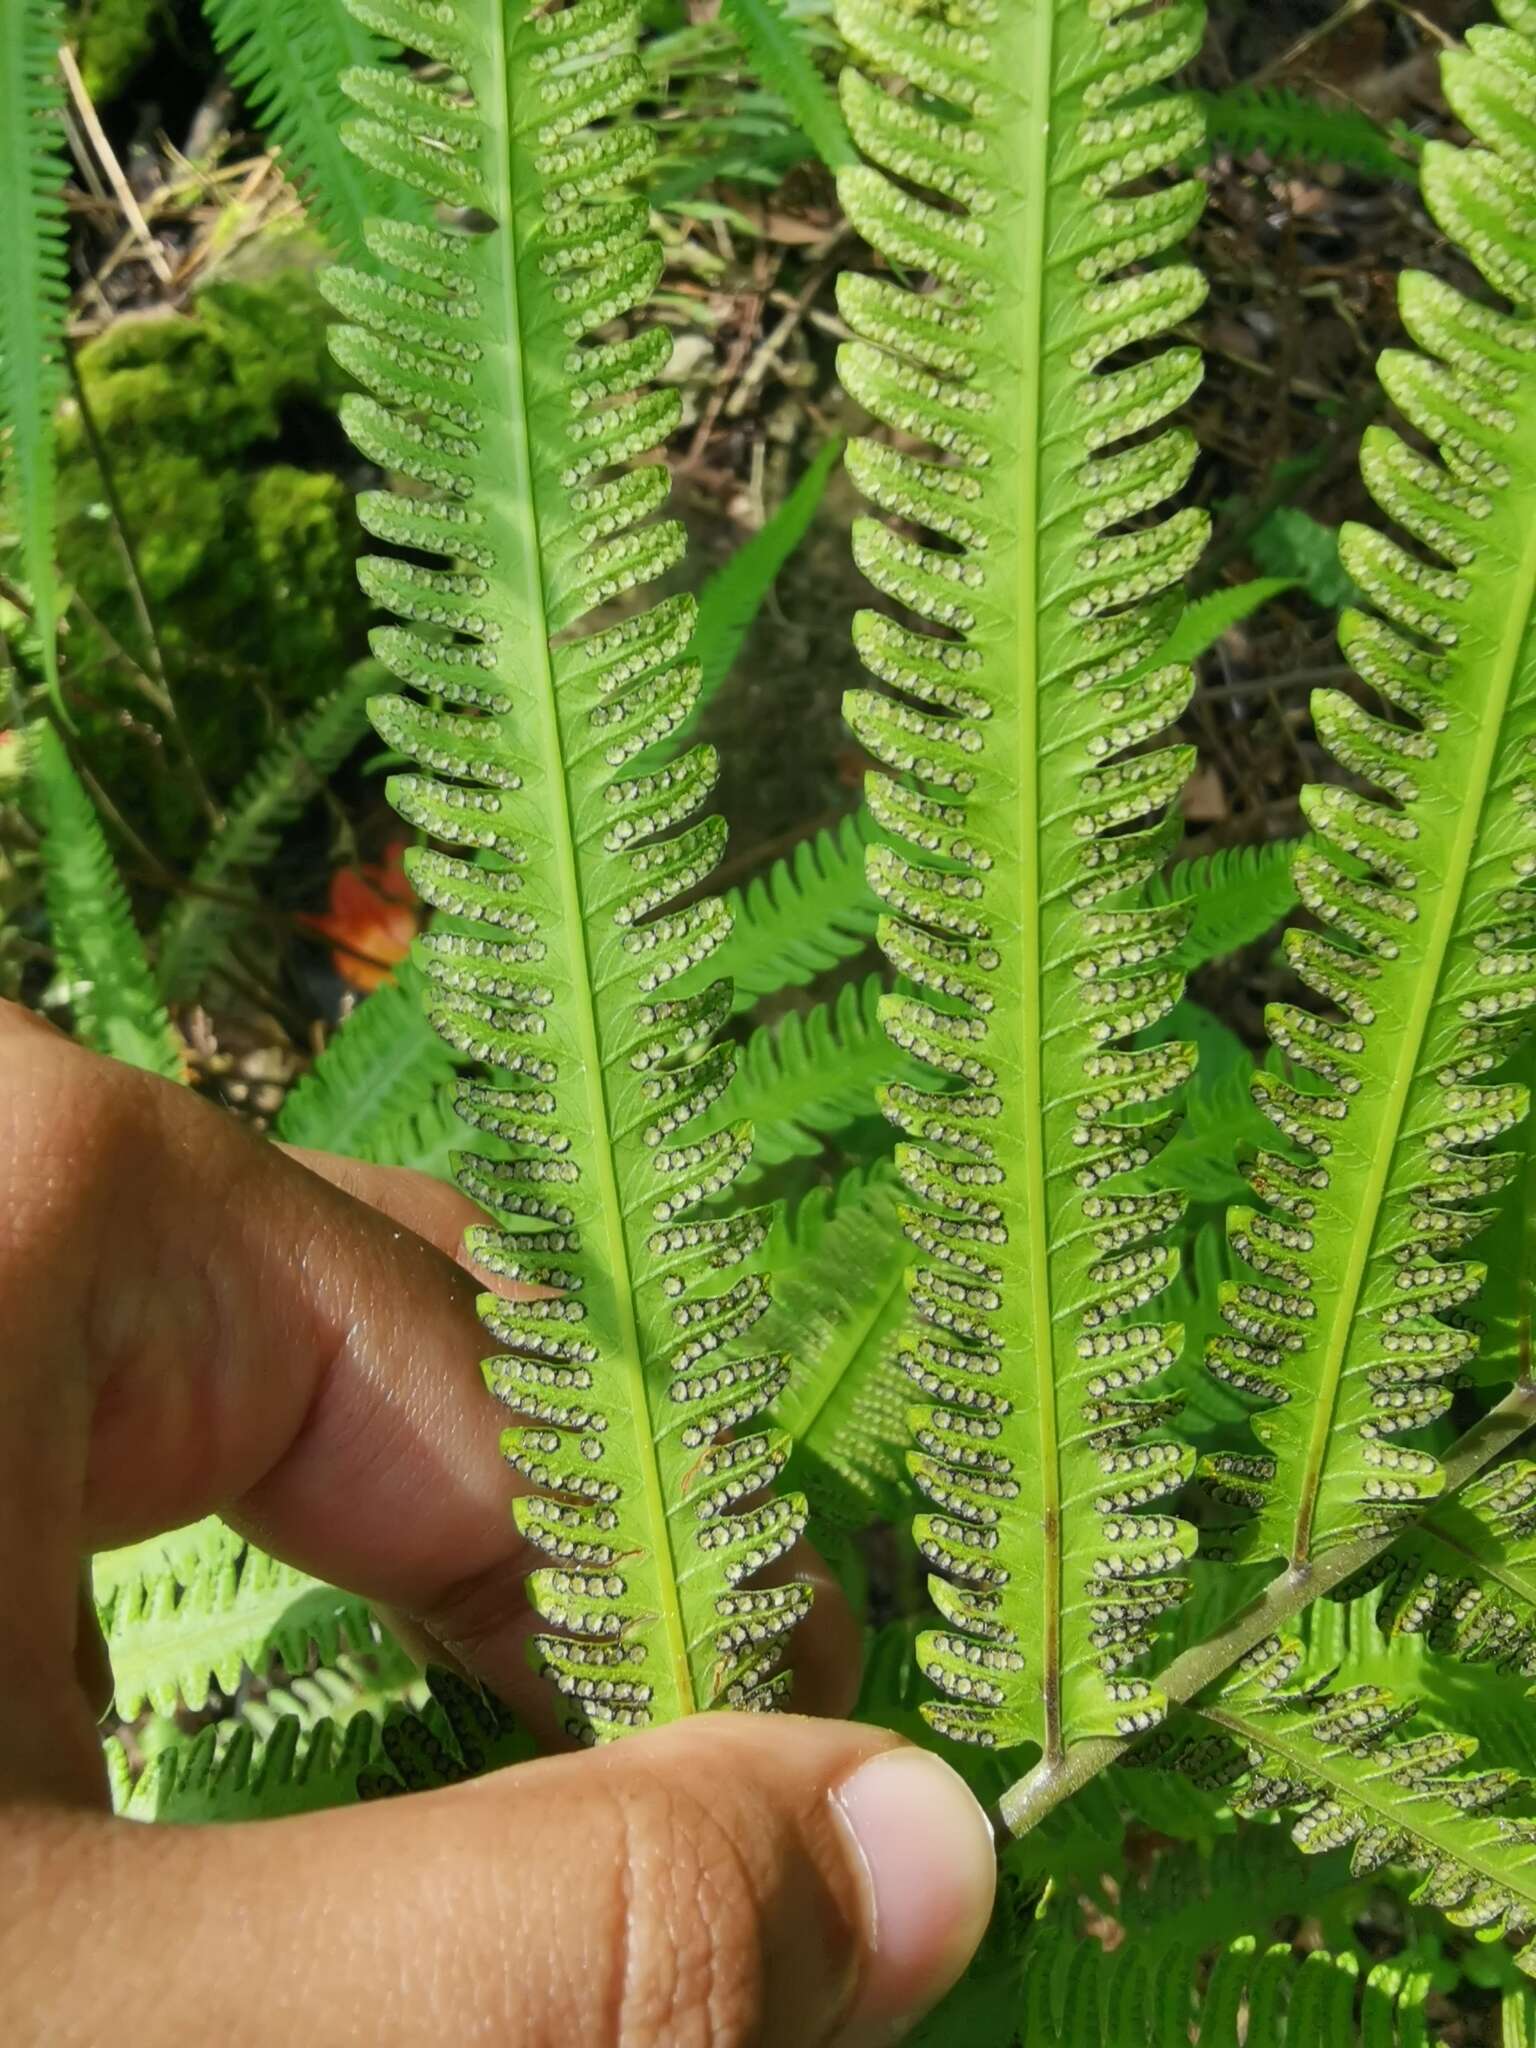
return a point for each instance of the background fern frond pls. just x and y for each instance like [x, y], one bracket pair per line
[383, 1065]
[373, 1682]
[100, 959]
[1028, 804]
[286, 57]
[234, 1772]
[804, 1079]
[735, 594]
[1219, 1127]
[198, 1547]
[1235, 896]
[1293, 546]
[1076, 1993]
[812, 910]
[35, 298]
[173, 1634]
[433, 1139]
[196, 928]
[779, 50]
[1206, 621]
[839, 1262]
[570, 850]
[1292, 128]
[1350, 1322]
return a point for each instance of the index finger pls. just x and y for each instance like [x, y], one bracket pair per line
[229, 1328]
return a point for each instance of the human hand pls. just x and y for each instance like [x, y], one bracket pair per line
[191, 1321]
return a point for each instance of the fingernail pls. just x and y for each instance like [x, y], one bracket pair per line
[929, 1871]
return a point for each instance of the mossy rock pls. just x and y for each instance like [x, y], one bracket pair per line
[114, 38]
[247, 558]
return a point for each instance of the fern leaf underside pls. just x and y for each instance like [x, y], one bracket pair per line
[1464, 1577]
[1362, 1779]
[1349, 1325]
[1014, 893]
[568, 984]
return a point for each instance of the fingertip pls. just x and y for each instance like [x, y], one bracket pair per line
[928, 1868]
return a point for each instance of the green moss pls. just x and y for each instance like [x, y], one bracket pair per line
[214, 381]
[247, 559]
[114, 37]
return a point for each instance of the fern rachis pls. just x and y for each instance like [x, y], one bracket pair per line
[604, 1078]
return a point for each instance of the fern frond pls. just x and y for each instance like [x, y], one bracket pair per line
[286, 57]
[1465, 1576]
[1219, 1124]
[805, 1078]
[433, 1139]
[372, 1682]
[1156, 1995]
[286, 777]
[1291, 128]
[650, 1490]
[384, 1065]
[1350, 1325]
[1014, 899]
[1517, 2019]
[199, 1547]
[173, 1634]
[1508, 1250]
[1210, 618]
[732, 598]
[839, 1263]
[98, 953]
[810, 912]
[232, 1772]
[1235, 895]
[461, 1733]
[777, 45]
[1362, 1780]
[33, 304]
[1293, 545]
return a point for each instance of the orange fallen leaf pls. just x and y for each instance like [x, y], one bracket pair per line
[373, 916]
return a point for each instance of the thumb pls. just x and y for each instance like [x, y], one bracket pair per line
[730, 1882]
